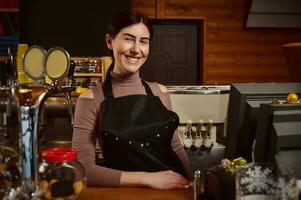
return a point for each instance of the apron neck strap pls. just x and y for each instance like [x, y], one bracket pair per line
[147, 88]
[107, 87]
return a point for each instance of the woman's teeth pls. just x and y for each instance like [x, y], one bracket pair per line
[132, 59]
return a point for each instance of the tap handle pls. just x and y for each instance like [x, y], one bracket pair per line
[71, 69]
[11, 65]
[3, 73]
[70, 76]
[69, 105]
[210, 124]
[8, 107]
[42, 123]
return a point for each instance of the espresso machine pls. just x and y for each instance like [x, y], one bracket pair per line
[28, 100]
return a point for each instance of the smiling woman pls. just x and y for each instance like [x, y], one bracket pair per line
[131, 48]
[131, 118]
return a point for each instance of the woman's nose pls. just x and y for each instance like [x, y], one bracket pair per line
[135, 47]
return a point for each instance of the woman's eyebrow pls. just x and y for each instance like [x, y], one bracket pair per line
[130, 35]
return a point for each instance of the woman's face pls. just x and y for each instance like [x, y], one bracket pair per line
[130, 48]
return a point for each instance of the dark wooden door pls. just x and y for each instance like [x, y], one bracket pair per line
[174, 55]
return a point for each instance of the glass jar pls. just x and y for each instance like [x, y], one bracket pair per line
[61, 176]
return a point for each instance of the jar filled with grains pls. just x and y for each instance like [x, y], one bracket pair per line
[61, 176]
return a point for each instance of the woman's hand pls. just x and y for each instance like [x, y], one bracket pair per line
[165, 180]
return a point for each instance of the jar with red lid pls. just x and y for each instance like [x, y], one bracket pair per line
[61, 176]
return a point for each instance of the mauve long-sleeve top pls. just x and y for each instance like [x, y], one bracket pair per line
[86, 121]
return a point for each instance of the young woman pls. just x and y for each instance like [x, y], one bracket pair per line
[130, 117]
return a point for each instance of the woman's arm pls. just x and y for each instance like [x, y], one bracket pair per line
[84, 140]
[156, 180]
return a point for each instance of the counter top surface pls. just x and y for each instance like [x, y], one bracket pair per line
[129, 193]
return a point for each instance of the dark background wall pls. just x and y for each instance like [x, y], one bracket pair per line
[78, 26]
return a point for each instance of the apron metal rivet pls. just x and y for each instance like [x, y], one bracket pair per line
[147, 144]
[142, 145]
[166, 126]
[106, 134]
[116, 138]
[130, 142]
[158, 135]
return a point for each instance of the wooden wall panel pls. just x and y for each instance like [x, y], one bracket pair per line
[148, 7]
[232, 52]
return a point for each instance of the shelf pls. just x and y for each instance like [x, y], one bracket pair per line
[76, 74]
[3, 58]
[12, 10]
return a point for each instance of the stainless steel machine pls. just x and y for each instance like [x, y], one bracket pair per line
[28, 100]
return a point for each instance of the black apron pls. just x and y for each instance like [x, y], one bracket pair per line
[136, 132]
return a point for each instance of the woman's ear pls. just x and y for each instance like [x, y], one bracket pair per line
[109, 41]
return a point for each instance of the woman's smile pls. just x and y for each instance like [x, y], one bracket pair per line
[133, 60]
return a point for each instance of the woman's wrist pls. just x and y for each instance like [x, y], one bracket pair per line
[134, 179]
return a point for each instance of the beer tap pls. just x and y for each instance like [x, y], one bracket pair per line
[66, 86]
[68, 97]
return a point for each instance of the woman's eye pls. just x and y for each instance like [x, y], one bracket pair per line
[144, 41]
[129, 39]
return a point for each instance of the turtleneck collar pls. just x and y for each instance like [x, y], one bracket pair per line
[126, 80]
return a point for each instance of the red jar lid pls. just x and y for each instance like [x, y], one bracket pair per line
[59, 154]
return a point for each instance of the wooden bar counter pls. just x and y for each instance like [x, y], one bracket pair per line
[130, 193]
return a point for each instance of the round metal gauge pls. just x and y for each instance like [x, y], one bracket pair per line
[33, 62]
[57, 63]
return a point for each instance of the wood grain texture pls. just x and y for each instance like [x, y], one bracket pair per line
[148, 7]
[131, 193]
[292, 53]
[232, 53]
[160, 9]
